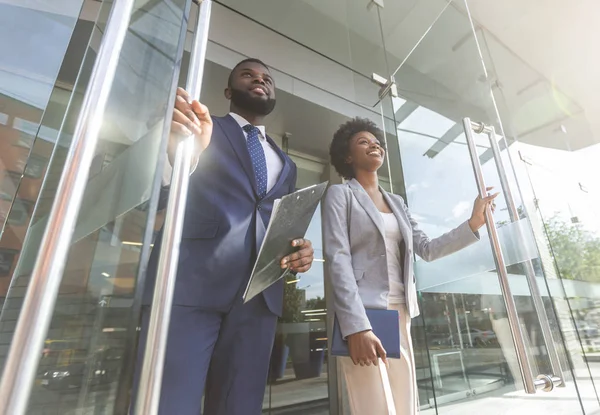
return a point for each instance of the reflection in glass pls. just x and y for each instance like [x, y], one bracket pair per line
[87, 360]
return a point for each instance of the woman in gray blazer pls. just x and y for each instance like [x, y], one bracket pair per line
[369, 242]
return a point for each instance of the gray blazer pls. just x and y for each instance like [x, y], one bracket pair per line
[355, 254]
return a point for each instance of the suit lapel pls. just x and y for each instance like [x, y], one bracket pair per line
[236, 138]
[367, 204]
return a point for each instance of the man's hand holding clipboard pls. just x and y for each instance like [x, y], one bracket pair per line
[301, 260]
[282, 251]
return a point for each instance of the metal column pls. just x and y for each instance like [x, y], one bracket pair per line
[38, 305]
[149, 388]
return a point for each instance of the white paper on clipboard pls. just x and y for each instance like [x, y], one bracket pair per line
[290, 219]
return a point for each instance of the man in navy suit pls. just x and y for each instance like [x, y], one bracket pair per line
[217, 344]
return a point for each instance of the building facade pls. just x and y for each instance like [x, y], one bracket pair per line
[418, 69]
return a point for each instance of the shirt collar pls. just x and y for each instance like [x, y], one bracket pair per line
[242, 122]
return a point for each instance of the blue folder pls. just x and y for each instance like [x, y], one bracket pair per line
[385, 325]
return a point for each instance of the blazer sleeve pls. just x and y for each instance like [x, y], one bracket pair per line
[347, 303]
[165, 187]
[449, 243]
[294, 177]
[163, 197]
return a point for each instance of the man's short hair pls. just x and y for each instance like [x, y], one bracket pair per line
[248, 60]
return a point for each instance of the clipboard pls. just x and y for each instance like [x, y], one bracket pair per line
[290, 219]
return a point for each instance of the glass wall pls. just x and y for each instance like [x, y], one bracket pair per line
[320, 85]
[31, 82]
[323, 55]
[554, 149]
[465, 353]
[472, 356]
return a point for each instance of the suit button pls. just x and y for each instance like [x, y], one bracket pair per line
[259, 207]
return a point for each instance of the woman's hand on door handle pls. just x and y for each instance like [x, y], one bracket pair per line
[477, 219]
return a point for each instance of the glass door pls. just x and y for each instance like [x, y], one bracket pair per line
[488, 326]
[33, 82]
[562, 199]
[86, 363]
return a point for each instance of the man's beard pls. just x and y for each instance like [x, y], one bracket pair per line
[256, 105]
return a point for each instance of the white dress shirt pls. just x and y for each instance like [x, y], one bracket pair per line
[274, 162]
[392, 239]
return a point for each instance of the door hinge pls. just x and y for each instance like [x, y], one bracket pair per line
[378, 3]
[386, 86]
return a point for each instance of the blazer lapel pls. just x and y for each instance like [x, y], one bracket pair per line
[286, 165]
[236, 138]
[367, 204]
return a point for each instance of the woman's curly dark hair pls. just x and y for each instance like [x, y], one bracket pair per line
[340, 145]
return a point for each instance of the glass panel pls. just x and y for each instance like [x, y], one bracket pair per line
[88, 353]
[299, 361]
[551, 141]
[470, 347]
[343, 65]
[560, 208]
[302, 124]
[353, 33]
[30, 70]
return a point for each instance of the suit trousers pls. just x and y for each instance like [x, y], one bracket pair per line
[216, 363]
[364, 385]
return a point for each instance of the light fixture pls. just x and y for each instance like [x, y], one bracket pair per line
[106, 274]
[131, 243]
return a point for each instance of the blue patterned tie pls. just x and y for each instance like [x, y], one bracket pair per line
[259, 162]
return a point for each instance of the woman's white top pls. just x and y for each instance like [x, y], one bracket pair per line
[393, 239]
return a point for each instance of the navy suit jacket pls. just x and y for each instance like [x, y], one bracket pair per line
[225, 222]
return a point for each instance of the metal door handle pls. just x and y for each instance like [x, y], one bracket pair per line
[156, 344]
[529, 271]
[511, 309]
[544, 382]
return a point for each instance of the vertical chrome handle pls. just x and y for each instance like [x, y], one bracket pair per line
[156, 344]
[529, 271]
[38, 304]
[511, 309]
